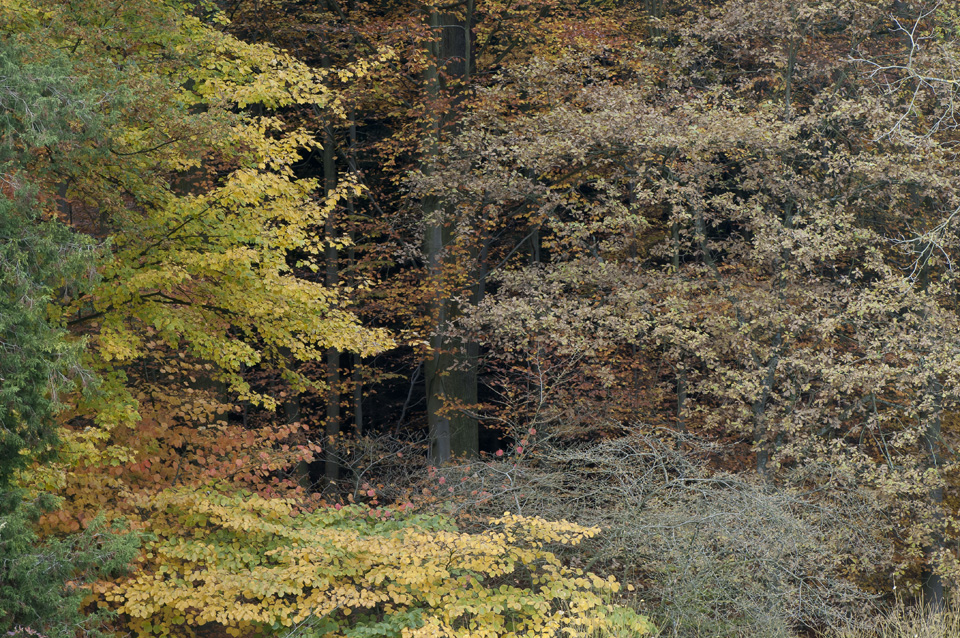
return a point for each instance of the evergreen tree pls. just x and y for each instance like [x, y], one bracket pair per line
[41, 107]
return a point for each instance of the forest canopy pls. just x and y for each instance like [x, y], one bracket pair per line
[479, 318]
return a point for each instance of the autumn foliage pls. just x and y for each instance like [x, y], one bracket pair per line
[305, 297]
[251, 565]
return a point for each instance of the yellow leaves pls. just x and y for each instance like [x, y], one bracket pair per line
[116, 343]
[17, 15]
[245, 74]
[207, 268]
[235, 559]
[266, 145]
[536, 530]
[203, 198]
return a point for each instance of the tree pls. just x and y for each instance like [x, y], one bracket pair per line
[735, 233]
[43, 109]
[197, 198]
[450, 372]
[427, 253]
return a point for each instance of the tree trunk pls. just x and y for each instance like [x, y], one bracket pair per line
[357, 373]
[450, 372]
[932, 582]
[331, 279]
[654, 11]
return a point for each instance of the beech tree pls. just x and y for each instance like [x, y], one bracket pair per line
[262, 565]
[737, 233]
[444, 53]
[297, 236]
[197, 211]
[199, 203]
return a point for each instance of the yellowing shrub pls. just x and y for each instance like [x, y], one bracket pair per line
[255, 566]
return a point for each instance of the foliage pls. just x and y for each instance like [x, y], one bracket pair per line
[201, 212]
[162, 452]
[37, 363]
[691, 263]
[719, 257]
[204, 217]
[42, 584]
[718, 555]
[911, 621]
[43, 109]
[40, 106]
[252, 565]
[200, 201]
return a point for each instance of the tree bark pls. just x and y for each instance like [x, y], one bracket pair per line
[331, 279]
[450, 371]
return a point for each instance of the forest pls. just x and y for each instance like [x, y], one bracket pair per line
[479, 318]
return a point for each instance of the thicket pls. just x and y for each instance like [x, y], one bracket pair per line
[305, 298]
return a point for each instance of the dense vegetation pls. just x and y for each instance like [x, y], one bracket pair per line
[479, 318]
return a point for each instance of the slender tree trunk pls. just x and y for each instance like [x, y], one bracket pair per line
[654, 11]
[760, 434]
[331, 279]
[931, 581]
[681, 399]
[760, 412]
[291, 414]
[358, 394]
[793, 47]
[357, 373]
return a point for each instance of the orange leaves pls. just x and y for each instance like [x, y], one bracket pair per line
[167, 448]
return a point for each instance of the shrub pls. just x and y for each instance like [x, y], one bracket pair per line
[253, 566]
[716, 554]
[905, 621]
[42, 584]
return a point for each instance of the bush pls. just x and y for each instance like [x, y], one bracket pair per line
[905, 621]
[715, 554]
[252, 566]
[42, 584]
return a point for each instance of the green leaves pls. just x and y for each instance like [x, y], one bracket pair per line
[198, 199]
[42, 103]
[43, 584]
[256, 563]
[42, 108]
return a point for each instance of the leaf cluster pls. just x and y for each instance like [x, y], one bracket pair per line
[253, 565]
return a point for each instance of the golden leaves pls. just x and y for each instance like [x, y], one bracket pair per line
[245, 561]
[200, 200]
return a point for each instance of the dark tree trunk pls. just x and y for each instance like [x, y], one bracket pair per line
[450, 371]
[331, 279]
